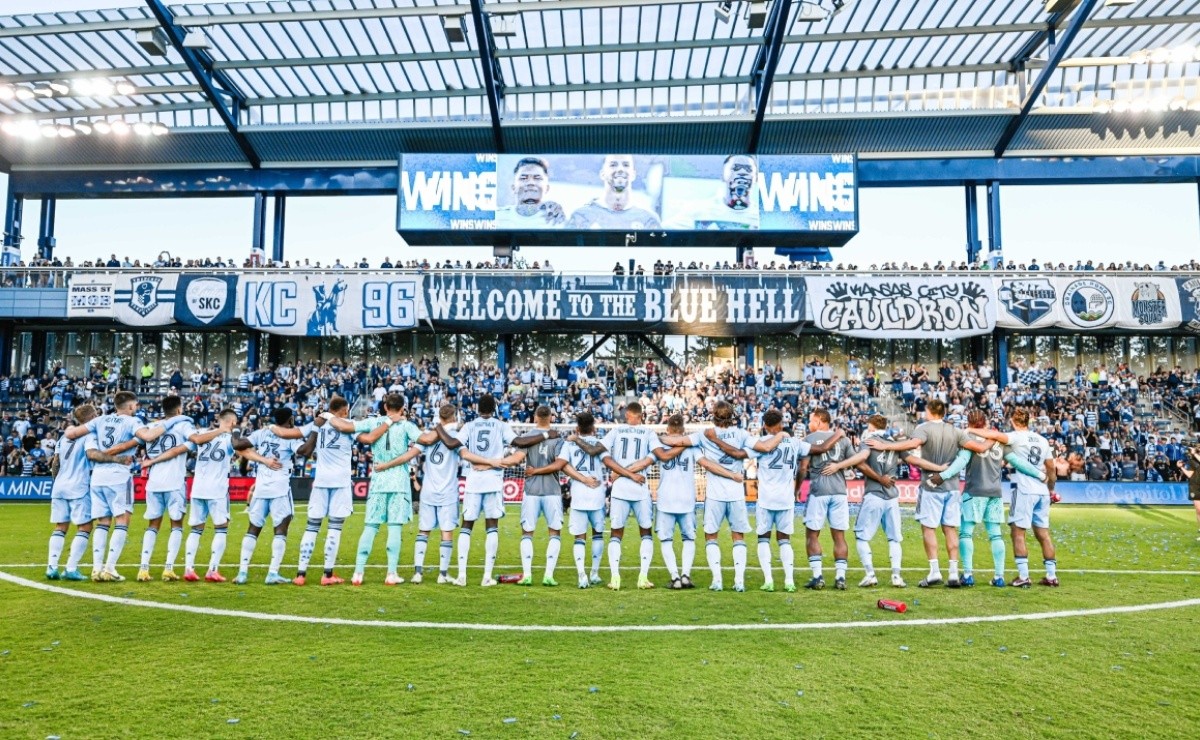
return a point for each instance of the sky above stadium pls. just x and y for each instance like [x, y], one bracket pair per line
[1146, 223]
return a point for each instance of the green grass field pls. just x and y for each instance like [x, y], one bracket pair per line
[75, 667]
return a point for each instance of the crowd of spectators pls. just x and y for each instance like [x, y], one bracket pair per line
[1094, 414]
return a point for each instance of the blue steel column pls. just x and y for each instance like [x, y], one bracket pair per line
[504, 351]
[973, 244]
[995, 244]
[45, 240]
[12, 225]
[258, 240]
[747, 346]
[277, 239]
[1001, 369]
[8, 334]
[253, 350]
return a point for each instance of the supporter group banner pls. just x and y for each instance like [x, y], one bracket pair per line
[1189, 302]
[145, 299]
[90, 296]
[328, 304]
[903, 307]
[708, 305]
[1149, 303]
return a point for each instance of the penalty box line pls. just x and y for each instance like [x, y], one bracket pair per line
[480, 627]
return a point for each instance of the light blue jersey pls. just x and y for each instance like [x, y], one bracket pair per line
[212, 468]
[74, 468]
[440, 484]
[274, 483]
[777, 473]
[718, 488]
[334, 451]
[111, 430]
[170, 475]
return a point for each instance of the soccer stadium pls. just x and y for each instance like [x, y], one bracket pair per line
[353, 383]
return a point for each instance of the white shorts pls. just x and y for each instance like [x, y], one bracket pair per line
[491, 505]
[876, 511]
[782, 521]
[667, 523]
[832, 509]
[548, 506]
[939, 509]
[279, 508]
[110, 501]
[1030, 510]
[171, 503]
[620, 509]
[336, 503]
[581, 520]
[75, 510]
[431, 517]
[205, 508]
[733, 512]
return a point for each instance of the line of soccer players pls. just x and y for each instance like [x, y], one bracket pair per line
[92, 489]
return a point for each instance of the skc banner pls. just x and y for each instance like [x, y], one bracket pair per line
[144, 300]
[709, 305]
[90, 296]
[329, 305]
[206, 300]
[903, 307]
[1027, 303]
[1189, 303]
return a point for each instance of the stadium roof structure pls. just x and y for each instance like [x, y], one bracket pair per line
[336, 82]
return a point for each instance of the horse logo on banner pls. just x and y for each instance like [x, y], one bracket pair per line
[322, 322]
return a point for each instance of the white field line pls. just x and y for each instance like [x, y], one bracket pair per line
[481, 627]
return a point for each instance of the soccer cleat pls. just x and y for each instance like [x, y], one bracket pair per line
[998, 582]
[967, 581]
[1021, 583]
[614, 583]
[416, 578]
[548, 581]
[839, 583]
[190, 576]
[392, 580]
[525, 581]
[213, 577]
[898, 581]
[488, 582]
[241, 578]
[868, 582]
[929, 582]
[73, 575]
[645, 584]
[953, 583]
[332, 581]
[584, 582]
[143, 576]
[97, 575]
[816, 583]
[769, 587]
[444, 579]
[168, 575]
[356, 579]
[111, 576]
[716, 586]
[460, 582]
[52, 574]
[739, 587]
[676, 585]
[595, 580]
[299, 580]
[686, 581]
[1048, 581]
[274, 579]
[790, 587]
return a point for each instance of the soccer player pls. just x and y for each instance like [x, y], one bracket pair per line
[389, 497]
[981, 500]
[477, 440]
[166, 491]
[733, 207]
[530, 185]
[584, 459]
[332, 491]
[826, 500]
[1031, 503]
[728, 447]
[615, 209]
[1191, 471]
[543, 494]
[937, 505]
[272, 493]
[112, 485]
[778, 473]
[677, 502]
[70, 498]
[439, 495]
[881, 500]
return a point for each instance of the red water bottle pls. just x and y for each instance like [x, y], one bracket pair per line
[892, 606]
[510, 578]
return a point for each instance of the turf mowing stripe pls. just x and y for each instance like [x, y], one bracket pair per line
[265, 617]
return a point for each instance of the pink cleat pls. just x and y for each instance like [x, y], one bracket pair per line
[332, 581]
[190, 576]
[212, 577]
[298, 580]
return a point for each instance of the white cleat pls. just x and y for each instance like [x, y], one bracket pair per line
[584, 582]
[443, 580]
[898, 582]
[488, 582]
[460, 581]
[416, 578]
[868, 582]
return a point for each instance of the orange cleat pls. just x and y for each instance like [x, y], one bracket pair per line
[298, 580]
[331, 581]
[214, 577]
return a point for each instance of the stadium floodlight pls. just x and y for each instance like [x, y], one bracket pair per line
[12, 128]
[196, 40]
[724, 10]
[125, 87]
[65, 131]
[120, 128]
[141, 128]
[102, 127]
[24, 93]
[503, 24]
[51, 89]
[153, 41]
[756, 15]
[49, 131]
[839, 6]
[158, 129]
[7, 92]
[810, 12]
[83, 127]
[455, 27]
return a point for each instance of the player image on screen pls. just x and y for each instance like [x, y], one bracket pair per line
[615, 209]
[530, 184]
[734, 206]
